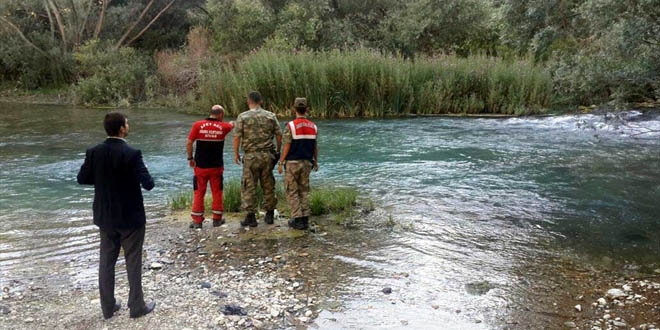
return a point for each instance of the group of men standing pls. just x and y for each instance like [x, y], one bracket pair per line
[118, 174]
[258, 134]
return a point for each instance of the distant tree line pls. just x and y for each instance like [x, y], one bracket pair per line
[596, 50]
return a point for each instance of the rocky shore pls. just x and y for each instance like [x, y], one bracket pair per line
[214, 278]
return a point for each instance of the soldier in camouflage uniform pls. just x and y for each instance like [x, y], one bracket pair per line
[300, 155]
[254, 132]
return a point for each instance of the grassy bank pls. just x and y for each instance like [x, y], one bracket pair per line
[323, 200]
[365, 83]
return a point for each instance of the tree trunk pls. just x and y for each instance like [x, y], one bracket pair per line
[99, 24]
[50, 20]
[151, 22]
[137, 21]
[20, 34]
[60, 25]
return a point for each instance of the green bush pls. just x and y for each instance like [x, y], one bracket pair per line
[365, 83]
[110, 76]
[332, 200]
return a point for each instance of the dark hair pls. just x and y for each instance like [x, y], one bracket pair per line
[255, 97]
[113, 122]
[301, 110]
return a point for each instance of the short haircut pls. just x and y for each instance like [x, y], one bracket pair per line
[301, 110]
[255, 97]
[217, 110]
[113, 122]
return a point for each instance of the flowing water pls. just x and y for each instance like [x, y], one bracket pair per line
[477, 198]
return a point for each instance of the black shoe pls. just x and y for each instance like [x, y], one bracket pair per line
[250, 220]
[115, 309]
[218, 223]
[270, 217]
[194, 225]
[298, 223]
[148, 308]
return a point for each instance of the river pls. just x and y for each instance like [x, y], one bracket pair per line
[477, 198]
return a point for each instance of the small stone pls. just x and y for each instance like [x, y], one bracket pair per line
[387, 290]
[615, 293]
[570, 324]
[308, 313]
[602, 301]
[156, 265]
[296, 285]
[274, 313]
[303, 319]
[29, 320]
[219, 294]
[619, 324]
[578, 308]
[435, 306]
[607, 317]
[205, 285]
[4, 310]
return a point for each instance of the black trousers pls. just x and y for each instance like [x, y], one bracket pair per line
[131, 240]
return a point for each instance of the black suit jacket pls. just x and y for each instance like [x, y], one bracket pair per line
[116, 171]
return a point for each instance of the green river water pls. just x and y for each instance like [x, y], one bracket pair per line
[479, 197]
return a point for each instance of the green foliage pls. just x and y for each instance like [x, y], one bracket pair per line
[365, 83]
[332, 200]
[110, 76]
[239, 25]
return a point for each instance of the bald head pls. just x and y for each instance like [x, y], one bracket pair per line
[217, 111]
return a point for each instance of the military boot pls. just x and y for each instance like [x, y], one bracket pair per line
[250, 220]
[270, 217]
[298, 223]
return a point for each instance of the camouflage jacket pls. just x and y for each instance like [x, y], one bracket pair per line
[256, 128]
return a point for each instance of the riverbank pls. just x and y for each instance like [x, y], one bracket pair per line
[271, 275]
[276, 278]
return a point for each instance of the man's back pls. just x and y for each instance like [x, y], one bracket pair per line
[116, 170]
[256, 128]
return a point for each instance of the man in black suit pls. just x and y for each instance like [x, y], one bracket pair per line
[117, 171]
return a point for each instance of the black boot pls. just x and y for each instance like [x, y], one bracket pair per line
[250, 220]
[297, 223]
[194, 225]
[218, 222]
[305, 223]
[270, 217]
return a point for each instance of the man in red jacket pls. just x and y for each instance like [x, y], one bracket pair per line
[209, 136]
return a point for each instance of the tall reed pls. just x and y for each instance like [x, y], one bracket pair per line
[366, 83]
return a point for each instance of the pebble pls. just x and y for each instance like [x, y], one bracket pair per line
[308, 313]
[578, 308]
[4, 310]
[620, 324]
[156, 265]
[570, 324]
[304, 319]
[29, 320]
[607, 317]
[435, 306]
[387, 290]
[205, 285]
[615, 293]
[602, 301]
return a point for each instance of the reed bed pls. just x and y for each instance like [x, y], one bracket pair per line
[366, 83]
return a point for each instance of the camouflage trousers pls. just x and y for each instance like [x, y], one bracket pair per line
[296, 184]
[258, 168]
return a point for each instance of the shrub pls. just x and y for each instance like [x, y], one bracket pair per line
[110, 76]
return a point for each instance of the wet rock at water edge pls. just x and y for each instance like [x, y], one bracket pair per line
[478, 288]
[387, 290]
[233, 310]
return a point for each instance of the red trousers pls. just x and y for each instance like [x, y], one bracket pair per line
[201, 179]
